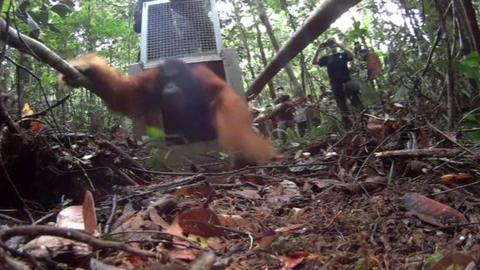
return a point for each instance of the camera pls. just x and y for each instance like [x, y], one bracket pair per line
[329, 43]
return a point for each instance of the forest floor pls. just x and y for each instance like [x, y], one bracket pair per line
[388, 196]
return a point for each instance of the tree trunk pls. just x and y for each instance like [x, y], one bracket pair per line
[293, 26]
[297, 88]
[22, 83]
[263, 57]
[471, 23]
[243, 36]
[450, 70]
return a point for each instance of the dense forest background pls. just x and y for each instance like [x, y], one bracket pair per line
[428, 48]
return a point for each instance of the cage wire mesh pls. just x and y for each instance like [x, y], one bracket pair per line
[180, 28]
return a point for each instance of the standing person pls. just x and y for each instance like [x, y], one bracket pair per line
[284, 116]
[343, 86]
[301, 117]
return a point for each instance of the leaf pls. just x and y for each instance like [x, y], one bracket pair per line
[269, 236]
[282, 192]
[253, 179]
[294, 259]
[71, 217]
[431, 211]
[156, 218]
[200, 221]
[53, 28]
[89, 214]
[61, 9]
[40, 15]
[374, 65]
[156, 133]
[433, 259]
[470, 66]
[202, 190]
[460, 178]
[249, 194]
[27, 110]
[68, 3]
[36, 126]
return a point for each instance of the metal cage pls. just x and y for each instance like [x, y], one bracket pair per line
[185, 29]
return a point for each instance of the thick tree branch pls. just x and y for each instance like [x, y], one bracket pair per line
[319, 22]
[32, 47]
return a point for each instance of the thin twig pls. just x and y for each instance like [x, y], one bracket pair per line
[415, 153]
[456, 188]
[128, 159]
[7, 217]
[42, 219]
[112, 214]
[76, 235]
[45, 111]
[248, 168]
[375, 150]
[453, 141]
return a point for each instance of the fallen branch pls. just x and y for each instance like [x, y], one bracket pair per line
[244, 169]
[38, 50]
[76, 235]
[434, 152]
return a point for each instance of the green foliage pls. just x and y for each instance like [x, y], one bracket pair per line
[72, 28]
[224, 155]
[471, 120]
[156, 134]
[328, 124]
[432, 259]
[155, 147]
[470, 66]
[369, 95]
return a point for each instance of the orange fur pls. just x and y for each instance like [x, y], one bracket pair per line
[233, 120]
[133, 96]
[125, 95]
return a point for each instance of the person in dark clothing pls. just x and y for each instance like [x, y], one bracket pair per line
[343, 86]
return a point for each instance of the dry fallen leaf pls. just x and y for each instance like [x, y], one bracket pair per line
[202, 190]
[294, 259]
[156, 218]
[431, 211]
[282, 192]
[27, 110]
[233, 221]
[89, 214]
[255, 179]
[79, 217]
[269, 236]
[459, 178]
[200, 221]
[247, 193]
